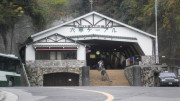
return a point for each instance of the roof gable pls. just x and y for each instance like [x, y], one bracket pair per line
[94, 19]
[57, 39]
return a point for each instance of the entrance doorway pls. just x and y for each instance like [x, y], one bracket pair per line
[61, 79]
[113, 53]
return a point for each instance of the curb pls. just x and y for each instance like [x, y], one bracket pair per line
[8, 96]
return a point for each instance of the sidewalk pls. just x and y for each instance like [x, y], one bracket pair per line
[8, 96]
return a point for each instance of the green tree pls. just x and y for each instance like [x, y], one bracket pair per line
[12, 10]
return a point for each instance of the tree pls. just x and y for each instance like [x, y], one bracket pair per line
[12, 10]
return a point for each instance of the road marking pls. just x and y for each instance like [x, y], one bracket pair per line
[109, 96]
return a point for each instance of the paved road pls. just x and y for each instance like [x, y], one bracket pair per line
[96, 93]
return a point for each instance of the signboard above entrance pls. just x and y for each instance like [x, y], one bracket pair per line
[93, 26]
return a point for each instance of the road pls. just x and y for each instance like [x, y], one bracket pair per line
[96, 93]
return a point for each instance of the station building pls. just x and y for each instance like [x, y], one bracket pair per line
[56, 56]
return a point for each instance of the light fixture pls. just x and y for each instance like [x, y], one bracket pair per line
[97, 52]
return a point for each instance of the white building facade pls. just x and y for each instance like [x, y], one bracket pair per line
[68, 43]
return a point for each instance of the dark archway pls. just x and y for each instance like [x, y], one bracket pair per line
[61, 79]
[113, 53]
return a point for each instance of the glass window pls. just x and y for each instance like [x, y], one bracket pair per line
[55, 55]
[69, 55]
[42, 55]
[11, 66]
[1, 66]
[2, 63]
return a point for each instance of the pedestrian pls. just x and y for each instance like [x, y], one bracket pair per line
[101, 65]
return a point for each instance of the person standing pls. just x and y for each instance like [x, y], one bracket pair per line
[101, 65]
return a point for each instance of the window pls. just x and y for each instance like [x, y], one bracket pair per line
[11, 66]
[42, 55]
[68, 55]
[56, 55]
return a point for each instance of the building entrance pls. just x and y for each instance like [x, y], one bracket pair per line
[113, 53]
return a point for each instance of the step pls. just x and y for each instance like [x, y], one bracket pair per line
[116, 76]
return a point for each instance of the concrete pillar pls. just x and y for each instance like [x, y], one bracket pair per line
[85, 76]
[81, 53]
[137, 76]
[30, 53]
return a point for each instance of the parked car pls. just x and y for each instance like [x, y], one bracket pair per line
[168, 79]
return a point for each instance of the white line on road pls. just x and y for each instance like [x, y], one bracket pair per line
[109, 96]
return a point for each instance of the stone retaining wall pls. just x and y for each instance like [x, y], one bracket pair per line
[56, 63]
[148, 77]
[36, 69]
[145, 76]
[148, 60]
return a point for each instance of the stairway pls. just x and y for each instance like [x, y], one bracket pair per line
[116, 76]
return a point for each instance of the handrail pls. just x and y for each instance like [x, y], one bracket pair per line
[25, 74]
[109, 81]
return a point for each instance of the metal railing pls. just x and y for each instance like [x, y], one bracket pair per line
[25, 75]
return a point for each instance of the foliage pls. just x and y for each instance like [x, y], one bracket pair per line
[53, 9]
[12, 10]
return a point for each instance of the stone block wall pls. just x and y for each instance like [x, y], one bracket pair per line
[37, 68]
[56, 63]
[148, 77]
[145, 75]
[148, 60]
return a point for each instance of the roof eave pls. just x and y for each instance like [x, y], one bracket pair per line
[145, 33]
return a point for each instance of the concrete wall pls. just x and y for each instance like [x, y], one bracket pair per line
[143, 75]
[133, 74]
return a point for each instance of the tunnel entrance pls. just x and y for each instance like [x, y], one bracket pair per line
[113, 53]
[61, 79]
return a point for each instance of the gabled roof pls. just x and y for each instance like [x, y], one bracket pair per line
[128, 26]
[76, 42]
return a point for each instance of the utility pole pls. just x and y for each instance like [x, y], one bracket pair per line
[91, 1]
[157, 53]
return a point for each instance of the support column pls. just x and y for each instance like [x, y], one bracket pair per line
[81, 53]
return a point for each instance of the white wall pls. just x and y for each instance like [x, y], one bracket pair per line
[81, 53]
[144, 41]
[30, 53]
